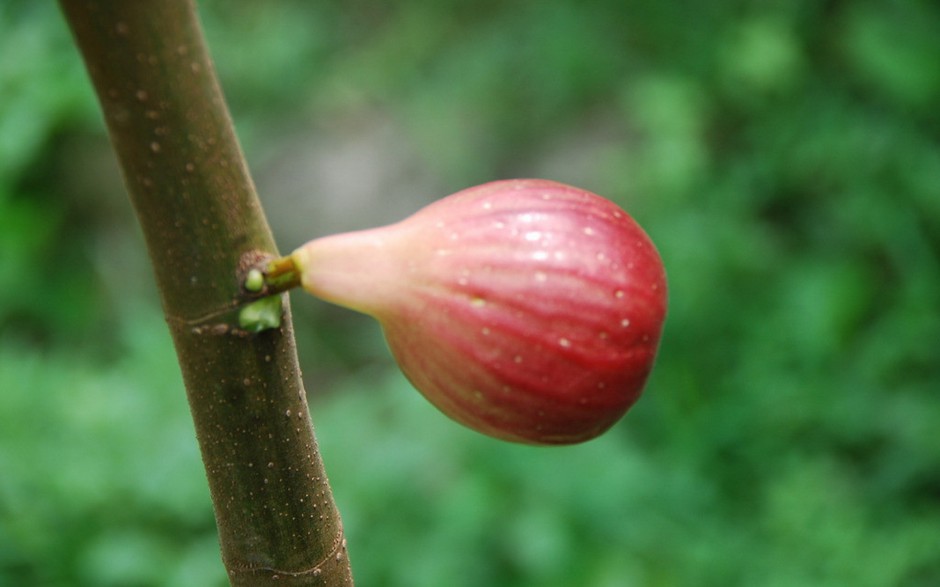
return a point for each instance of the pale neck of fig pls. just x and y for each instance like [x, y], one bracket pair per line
[360, 270]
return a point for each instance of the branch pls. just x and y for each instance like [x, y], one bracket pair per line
[204, 229]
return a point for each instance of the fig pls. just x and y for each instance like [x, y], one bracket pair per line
[528, 310]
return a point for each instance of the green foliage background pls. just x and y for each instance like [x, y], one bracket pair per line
[784, 157]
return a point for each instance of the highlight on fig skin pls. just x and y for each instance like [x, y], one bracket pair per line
[528, 310]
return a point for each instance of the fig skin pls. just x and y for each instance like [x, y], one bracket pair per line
[527, 310]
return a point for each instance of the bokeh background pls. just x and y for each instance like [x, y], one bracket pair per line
[782, 154]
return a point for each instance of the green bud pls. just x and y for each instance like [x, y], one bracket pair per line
[263, 314]
[254, 281]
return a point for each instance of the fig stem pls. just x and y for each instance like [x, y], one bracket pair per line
[274, 277]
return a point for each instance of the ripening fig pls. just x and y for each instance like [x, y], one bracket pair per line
[525, 309]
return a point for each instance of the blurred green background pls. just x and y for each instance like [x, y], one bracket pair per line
[784, 157]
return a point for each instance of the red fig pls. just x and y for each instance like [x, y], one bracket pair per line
[526, 309]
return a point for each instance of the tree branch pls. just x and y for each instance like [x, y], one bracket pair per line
[204, 229]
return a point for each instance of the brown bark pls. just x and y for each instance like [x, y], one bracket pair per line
[203, 224]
